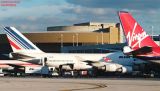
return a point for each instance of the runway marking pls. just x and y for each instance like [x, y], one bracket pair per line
[96, 86]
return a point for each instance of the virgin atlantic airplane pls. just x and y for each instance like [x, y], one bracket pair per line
[140, 44]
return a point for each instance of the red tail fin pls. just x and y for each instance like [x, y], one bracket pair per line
[135, 35]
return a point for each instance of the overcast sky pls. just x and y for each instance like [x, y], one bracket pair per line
[37, 15]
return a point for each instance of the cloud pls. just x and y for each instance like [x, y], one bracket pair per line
[39, 17]
[118, 4]
[35, 18]
[90, 14]
[146, 12]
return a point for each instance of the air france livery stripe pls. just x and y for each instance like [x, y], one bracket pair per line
[13, 39]
[13, 44]
[18, 38]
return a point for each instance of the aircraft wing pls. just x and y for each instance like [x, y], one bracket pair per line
[97, 63]
[20, 56]
[16, 63]
[84, 60]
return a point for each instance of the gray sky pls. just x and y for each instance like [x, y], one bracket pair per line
[36, 15]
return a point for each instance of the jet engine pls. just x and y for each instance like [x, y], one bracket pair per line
[81, 66]
[127, 69]
[117, 68]
[111, 67]
[67, 67]
[77, 66]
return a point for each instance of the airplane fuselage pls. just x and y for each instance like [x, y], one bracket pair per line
[56, 59]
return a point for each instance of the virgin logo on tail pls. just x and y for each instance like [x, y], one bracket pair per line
[138, 37]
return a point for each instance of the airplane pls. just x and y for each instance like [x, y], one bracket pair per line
[25, 50]
[140, 44]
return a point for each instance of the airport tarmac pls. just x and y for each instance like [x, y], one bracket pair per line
[79, 84]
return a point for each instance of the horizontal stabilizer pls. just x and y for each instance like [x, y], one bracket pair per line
[140, 51]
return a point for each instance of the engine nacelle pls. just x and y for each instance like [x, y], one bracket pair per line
[81, 66]
[111, 67]
[117, 68]
[66, 67]
[77, 66]
[127, 69]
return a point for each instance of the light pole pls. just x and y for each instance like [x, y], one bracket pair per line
[102, 37]
[61, 40]
[73, 39]
[77, 38]
[97, 39]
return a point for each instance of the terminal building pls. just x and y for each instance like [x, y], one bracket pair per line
[75, 37]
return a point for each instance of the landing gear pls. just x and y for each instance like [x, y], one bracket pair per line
[77, 73]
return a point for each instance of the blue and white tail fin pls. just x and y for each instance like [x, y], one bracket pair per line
[19, 42]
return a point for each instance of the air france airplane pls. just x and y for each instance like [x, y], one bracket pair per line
[25, 50]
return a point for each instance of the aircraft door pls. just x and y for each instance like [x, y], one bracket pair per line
[44, 61]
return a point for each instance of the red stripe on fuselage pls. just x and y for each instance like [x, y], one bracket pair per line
[14, 45]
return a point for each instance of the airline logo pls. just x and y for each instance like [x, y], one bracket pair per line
[16, 40]
[135, 35]
[136, 38]
[106, 59]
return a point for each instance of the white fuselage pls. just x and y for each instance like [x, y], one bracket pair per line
[57, 59]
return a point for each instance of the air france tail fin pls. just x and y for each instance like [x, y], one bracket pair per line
[19, 42]
[135, 35]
